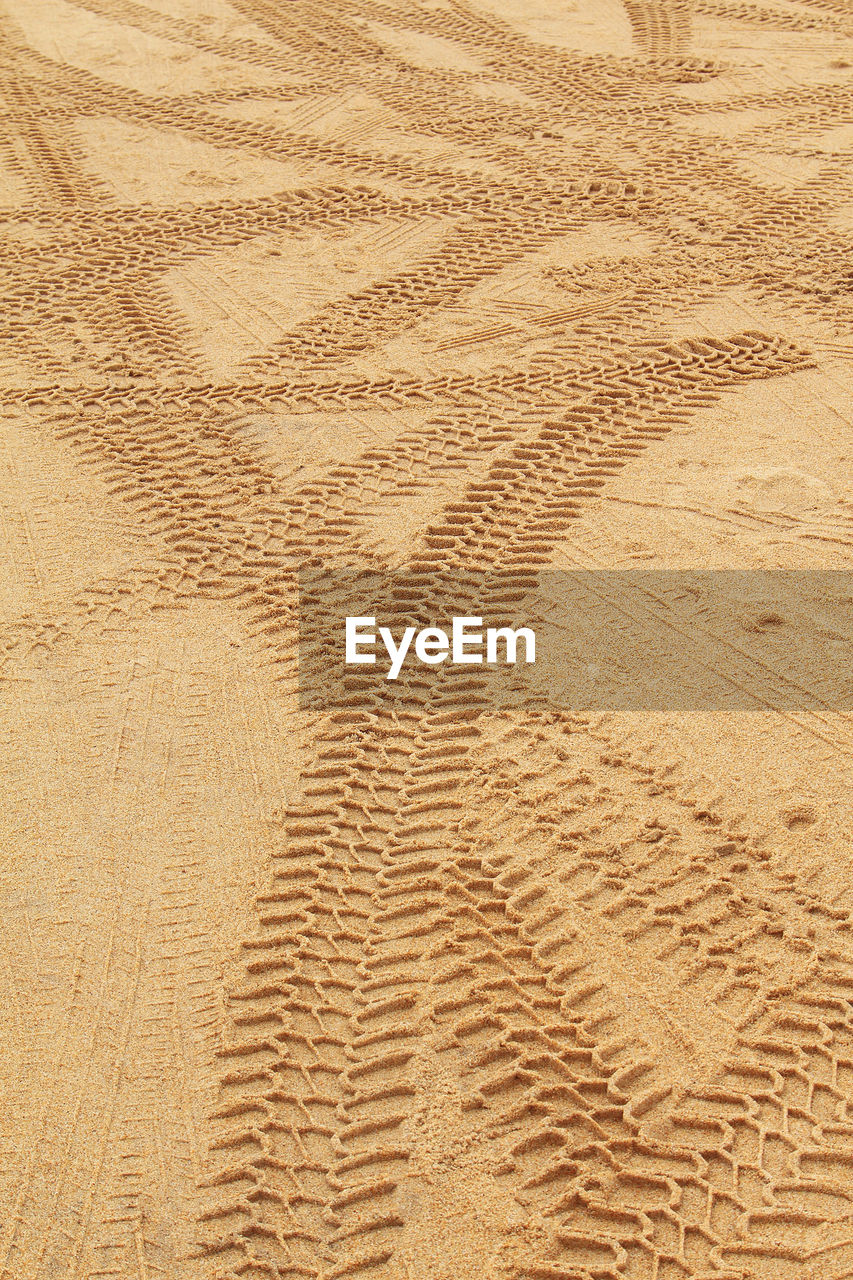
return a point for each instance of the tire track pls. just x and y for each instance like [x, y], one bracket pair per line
[434, 980]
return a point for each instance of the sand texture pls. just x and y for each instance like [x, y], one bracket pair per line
[420, 993]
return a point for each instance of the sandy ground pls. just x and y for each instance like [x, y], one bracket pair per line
[437, 283]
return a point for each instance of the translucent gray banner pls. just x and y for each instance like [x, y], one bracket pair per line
[621, 640]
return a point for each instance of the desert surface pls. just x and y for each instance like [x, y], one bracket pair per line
[420, 992]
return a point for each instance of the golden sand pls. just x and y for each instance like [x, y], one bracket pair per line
[414, 996]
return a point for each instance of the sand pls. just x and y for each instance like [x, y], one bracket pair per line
[415, 993]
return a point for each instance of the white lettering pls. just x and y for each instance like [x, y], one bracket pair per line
[356, 637]
[396, 653]
[461, 637]
[432, 645]
[511, 637]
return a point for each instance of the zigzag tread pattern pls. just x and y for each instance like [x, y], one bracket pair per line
[411, 288]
